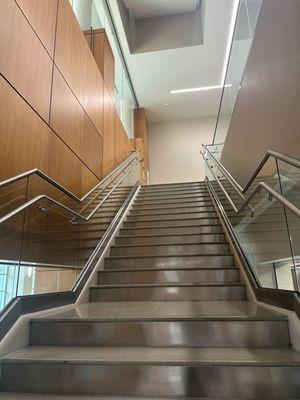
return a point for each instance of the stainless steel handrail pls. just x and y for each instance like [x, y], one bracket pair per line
[61, 187]
[257, 188]
[270, 153]
[74, 213]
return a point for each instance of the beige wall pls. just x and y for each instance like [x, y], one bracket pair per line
[267, 113]
[174, 149]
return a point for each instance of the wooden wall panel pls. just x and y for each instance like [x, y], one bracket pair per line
[70, 122]
[24, 62]
[109, 66]
[93, 92]
[69, 49]
[104, 57]
[141, 135]
[108, 134]
[27, 142]
[41, 14]
[76, 63]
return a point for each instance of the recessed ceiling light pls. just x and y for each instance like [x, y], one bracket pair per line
[198, 89]
[235, 10]
[166, 104]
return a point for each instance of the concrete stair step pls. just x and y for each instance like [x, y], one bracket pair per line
[158, 332]
[169, 249]
[169, 239]
[173, 222]
[171, 205]
[163, 275]
[223, 372]
[172, 230]
[171, 216]
[172, 210]
[183, 261]
[168, 292]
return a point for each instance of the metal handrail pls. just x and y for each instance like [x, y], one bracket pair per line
[257, 188]
[61, 187]
[74, 213]
[270, 153]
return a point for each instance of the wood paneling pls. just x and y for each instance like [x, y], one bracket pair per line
[141, 135]
[104, 58]
[70, 122]
[27, 142]
[109, 66]
[24, 62]
[108, 134]
[123, 145]
[76, 63]
[93, 92]
[42, 16]
[69, 49]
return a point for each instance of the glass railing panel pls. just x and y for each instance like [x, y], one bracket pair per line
[243, 36]
[290, 182]
[37, 185]
[37, 279]
[49, 239]
[264, 238]
[294, 234]
[12, 196]
[11, 232]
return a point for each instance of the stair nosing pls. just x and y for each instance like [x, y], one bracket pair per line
[122, 246]
[164, 318]
[177, 284]
[115, 270]
[181, 255]
[167, 235]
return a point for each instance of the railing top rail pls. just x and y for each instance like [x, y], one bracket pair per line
[270, 153]
[61, 187]
[257, 188]
[62, 206]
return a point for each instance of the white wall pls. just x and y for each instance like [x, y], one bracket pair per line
[174, 149]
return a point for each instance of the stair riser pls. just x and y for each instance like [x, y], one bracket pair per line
[194, 196]
[161, 333]
[170, 206]
[170, 250]
[173, 200]
[172, 230]
[163, 223]
[249, 382]
[170, 194]
[170, 239]
[173, 210]
[174, 185]
[165, 217]
[170, 262]
[174, 293]
[169, 276]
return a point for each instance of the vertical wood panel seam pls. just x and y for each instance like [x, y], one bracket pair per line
[51, 89]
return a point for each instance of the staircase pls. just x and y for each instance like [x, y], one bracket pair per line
[169, 318]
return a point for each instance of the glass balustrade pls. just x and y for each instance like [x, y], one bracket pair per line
[266, 230]
[247, 17]
[45, 248]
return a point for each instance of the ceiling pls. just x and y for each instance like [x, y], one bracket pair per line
[154, 8]
[156, 73]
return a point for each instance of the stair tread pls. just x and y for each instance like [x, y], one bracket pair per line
[37, 396]
[175, 284]
[118, 270]
[279, 356]
[170, 244]
[144, 309]
[179, 255]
